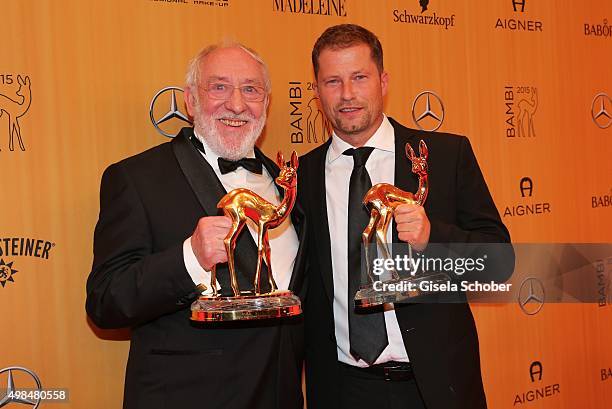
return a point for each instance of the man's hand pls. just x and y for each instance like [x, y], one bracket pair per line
[207, 240]
[413, 225]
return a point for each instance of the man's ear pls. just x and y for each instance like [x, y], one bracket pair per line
[315, 88]
[190, 101]
[384, 82]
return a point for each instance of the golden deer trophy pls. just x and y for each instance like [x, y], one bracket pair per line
[381, 201]
[240, 205]
[383, 198]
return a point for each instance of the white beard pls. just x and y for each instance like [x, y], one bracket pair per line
[236, 149]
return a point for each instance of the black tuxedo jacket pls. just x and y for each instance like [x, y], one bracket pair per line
[440, 339]
[149, 204]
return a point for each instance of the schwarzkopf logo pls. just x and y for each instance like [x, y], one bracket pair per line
[428, 111]
[309, 121]
[601, 110]
[521, 105]
[518, 24]
[404, 16]
[317, 7]
[14, 105]
[165, 114]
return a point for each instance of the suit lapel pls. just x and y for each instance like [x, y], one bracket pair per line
[297, 218]
[404, 178]
[318, 200]
[209, 190]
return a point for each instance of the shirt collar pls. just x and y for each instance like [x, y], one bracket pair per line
[383, 139]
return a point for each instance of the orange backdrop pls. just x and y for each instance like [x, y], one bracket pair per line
[525, 80]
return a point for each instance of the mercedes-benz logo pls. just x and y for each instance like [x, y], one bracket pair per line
[531, 296]
[173, 112]
[428, 115]
[599, 110]
[10, 387]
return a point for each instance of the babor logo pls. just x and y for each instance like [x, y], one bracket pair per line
[172, 118]
[526, 186]
[531, 296]
[428, 111]
[601, 109]
[535, 369]
[15, 105]
[31, 383]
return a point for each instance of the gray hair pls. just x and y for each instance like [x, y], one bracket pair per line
[193, 68]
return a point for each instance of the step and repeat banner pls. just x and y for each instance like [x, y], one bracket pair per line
[85, 83]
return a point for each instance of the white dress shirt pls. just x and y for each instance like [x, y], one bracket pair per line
[283, 239]
[338, 169]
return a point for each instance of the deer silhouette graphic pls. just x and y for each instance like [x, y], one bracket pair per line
[316, 123]
[526, 111]
[15, 110]
[242, 204]
[382, 199]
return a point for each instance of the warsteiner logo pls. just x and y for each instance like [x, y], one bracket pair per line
[6, 273]
[15, 105]
[20, 247]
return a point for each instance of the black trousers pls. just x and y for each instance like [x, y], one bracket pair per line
[362, 390]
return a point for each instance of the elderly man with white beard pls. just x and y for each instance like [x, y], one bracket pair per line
[159, 234]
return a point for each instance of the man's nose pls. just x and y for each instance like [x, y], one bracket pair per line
[235, 102]
[347, 91]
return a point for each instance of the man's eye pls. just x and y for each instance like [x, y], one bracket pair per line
[219, 87]
[332, 82]
[249, 90]
[360, 77]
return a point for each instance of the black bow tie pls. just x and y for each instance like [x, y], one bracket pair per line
[251, 164]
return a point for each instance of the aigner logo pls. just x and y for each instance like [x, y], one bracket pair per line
[11, 395]
[173, 119]
[536, 375]
[531, 296]
[309, 120]
[599, 110]
[430, 111]
[15, 106]
[526, 188]
[514, 24]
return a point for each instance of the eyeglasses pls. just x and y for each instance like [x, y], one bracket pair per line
[224, 91]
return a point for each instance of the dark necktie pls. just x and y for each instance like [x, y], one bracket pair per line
[251, 164]
[367, 330]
